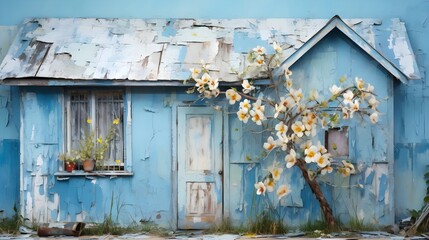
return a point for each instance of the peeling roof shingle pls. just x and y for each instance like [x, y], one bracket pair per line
[165, 49]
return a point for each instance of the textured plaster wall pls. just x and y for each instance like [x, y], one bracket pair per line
[411, 117]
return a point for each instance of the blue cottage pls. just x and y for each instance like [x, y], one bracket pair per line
[79, 75]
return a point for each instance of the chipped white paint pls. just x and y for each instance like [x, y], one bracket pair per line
[28, 205]
[381, 170]
[199, 165]
[40, 200]
[198, 144]
[161, 49]
[129, 121]
[365, 28]
[399, 43]
[201, 199]
[81, 216]
[54, 206]
[33, 129]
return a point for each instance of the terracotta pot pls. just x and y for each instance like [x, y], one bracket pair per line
[88, 165]
[70, 166]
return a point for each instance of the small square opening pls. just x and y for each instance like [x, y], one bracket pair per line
[337, 142]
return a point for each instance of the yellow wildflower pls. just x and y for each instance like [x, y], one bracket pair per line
[89, 121]
[116, 121]
[100, 140]
[118, 161]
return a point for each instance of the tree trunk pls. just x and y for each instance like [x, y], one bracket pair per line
[315, 188]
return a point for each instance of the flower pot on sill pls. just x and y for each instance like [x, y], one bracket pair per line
[70, 166]
[88, 165]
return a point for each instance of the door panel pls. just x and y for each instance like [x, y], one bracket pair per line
[199, 164]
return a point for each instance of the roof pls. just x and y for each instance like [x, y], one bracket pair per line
[74, 51]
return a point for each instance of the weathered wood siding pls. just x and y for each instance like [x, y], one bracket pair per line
[9, 135]
[411, 102]
[48, 198]
[370, 146]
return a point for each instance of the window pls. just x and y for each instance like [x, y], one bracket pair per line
[337, 142]
[101, 108]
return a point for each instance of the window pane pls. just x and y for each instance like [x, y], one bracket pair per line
[79, 113]
[110, 106]
[102, 107]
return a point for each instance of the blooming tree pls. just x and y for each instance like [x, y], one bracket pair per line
[292, 119]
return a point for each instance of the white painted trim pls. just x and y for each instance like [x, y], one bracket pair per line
[21, 158]
[64, 127]
[226, 165]
[65, 141]
[174, 180]
[338, 23]
[128, 125]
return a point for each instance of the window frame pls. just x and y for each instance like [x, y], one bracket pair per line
[346, 131]
[126, 125]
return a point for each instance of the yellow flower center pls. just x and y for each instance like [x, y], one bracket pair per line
[257, 117]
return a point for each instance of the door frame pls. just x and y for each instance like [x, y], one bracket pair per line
[174, 162]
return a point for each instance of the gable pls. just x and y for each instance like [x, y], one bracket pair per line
[336, 24]
[335, 57]
[161, 51]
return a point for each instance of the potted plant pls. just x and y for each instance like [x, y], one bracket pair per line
[92, 149]
[86, 153]
[69, 161]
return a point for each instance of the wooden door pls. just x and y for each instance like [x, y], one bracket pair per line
[199, 149]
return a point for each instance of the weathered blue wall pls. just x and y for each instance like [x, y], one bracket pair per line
[371, 146]
[411, 117]
[9, 135]
[144, 196]
[149, 194]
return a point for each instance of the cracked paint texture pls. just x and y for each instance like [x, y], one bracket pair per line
[164, 49]
[48, 198]
[370, 146]
[117, 49]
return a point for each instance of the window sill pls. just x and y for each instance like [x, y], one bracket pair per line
[93, 174]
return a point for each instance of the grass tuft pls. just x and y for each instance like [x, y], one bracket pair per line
[357, 224]
[225, 226]
[266, 224]
[312, 226]
[11, 225]
[108, 227]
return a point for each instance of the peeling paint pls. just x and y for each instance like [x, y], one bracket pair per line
[88, 198]
[135, 49]
[399, 43]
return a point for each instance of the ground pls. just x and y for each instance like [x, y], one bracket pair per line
[199, 236]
